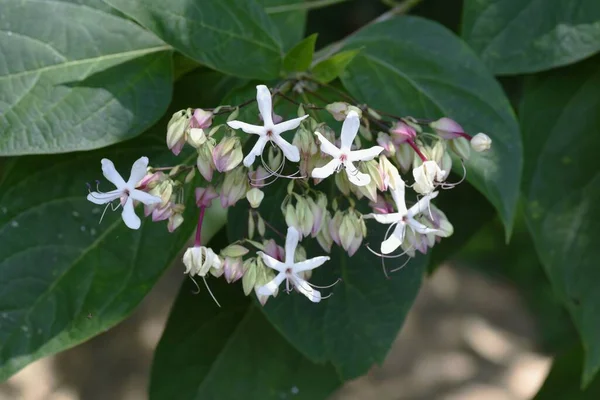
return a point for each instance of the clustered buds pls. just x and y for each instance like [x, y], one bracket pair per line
[330, 213]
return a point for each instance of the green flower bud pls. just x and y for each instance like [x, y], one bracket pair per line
[461, 147]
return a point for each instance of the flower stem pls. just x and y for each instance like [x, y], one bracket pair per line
[416, 149]
[198, 240]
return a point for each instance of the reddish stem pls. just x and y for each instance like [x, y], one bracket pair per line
[416, 149]
[199, 227]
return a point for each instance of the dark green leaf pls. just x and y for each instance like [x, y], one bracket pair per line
[290, 22]
[521, 36]
[76, 78]
[299, 58]
[563, 380]
[231, 352]
[561, 122]
[65, 277]
[411, 66]
[355, 328]
[231, 36]
[331, 68]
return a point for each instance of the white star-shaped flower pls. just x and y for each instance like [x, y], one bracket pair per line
[404, 218]
[343, 156]
[289, 270]
[269, 130]
[126, 191]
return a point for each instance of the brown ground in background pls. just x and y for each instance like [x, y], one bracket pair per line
[466, 338]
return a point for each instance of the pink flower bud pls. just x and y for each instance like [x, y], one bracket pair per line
[201, 119]
[382, 206]
[402, 132]
[447, 128]
[205, 196]
[228, 154]
[385, 141]
[258, 177]
[274, 250]
[233, 268]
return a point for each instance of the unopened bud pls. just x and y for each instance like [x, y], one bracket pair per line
[323, 235]
[481, 142]
[447, 128]
[461, 147]
[274, 250]
[205, 196]
[228, 154]
[233, 268]
[402, 132]
[445, 166]
[304, 140]
[385, 141]
[201, 119]
[175, 222]
[436, 152]
[343, 184]
[251, 226]
[234, 187]
[258, 177]
[249, 278]
[405, 156]
[290, 217]
[205, 162]
[190, 175]
[387, 172]
[234, 251]
[177, 130]
[255, 197]
[196, 137]
[260, 226]
[334, 227]
[304, 216]
[274, 158]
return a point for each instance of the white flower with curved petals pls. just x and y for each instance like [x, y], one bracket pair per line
[125, 191]
[404, 218]
[290, 270]
[269, 131]
[343, 156]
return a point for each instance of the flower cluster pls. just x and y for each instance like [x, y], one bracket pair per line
[365, 166]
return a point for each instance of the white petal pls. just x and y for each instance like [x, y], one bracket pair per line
[349, 130]
[309, 264]
[385, 218]
[256, 151]
[110, 173]
[303, 287]
[248, 128]
[131, 219]
[366, 154]
[291, 242]
[420, 228]
[398, 195]
[355, 176]
[138, 171]
[271, 262]
[144, 197]
[326, 170]
[270, 288]
[265, 105]
[327, 147]
[288, 125]
[290, 151]
[394, 241]
[422, 205]
[103, 198]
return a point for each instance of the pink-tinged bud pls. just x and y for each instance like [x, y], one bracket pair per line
[338, 110]
[205, 196]
[447, 128]
[228, 154]
[334, 227]
[177, 130]
[405, 156]
[233, 268]
[382, 206]
[274, 250]
[162, 213]
[318, 209]
[201, 119]
[175, 222]
[258, 177]
[481, 142]
[234, 187]
[205, 162]
[402, 132]
[323, 236]
[151, 180]
[385, 141]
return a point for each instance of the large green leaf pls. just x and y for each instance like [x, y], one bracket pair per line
[290, 21]
[521, 36]
[232, 36]
[356, 326]
[65, 277]
[73, 77]
[231, 352]
[411, 66]
[561, 123]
